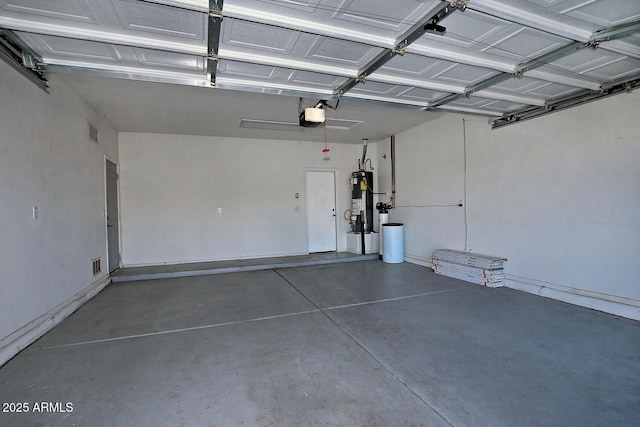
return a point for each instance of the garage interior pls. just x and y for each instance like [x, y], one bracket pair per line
[168, 257]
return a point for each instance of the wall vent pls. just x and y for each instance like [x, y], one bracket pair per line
[96, 266]
[93, 133]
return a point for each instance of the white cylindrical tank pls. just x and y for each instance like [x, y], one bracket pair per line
[393, 242]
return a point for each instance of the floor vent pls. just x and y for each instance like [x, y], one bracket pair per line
[96, 266]
[93, 133]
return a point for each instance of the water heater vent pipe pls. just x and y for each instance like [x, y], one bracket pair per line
[364, 150]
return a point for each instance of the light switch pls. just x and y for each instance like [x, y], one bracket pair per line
[219, 210]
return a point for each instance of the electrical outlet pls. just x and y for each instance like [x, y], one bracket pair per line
[219, 210]
[35, 212]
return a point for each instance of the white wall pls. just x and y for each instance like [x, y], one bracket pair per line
[429, 186]
[172, 186]
[559, 196]
[47, 160]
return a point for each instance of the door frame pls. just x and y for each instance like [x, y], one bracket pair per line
[106, 229]
[335, 172]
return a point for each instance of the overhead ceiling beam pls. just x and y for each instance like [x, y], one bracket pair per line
[376, 77]
[526, 13]
[249, 56]
[549, 75]
[195, 5]
[395, 79]
[386, 100]
[598, 37]
[382, 100]
[305, 25]
[467, 110]
[448, 53]
[305, 91]
[494, 62]
[622, 47]
[545, 58]
[471, 89]
[165, 76]
[593, 41]
[431, 50]
[574, 100]
[455, 89]
[612, 38]
[273, 87]
[616, 32]
[213, 38]
[431, 18]
[461, 55]
[71, 32]
[132, 73]
[518, 99]
[414, 104]
[519, 70]
[629, 83]
[21, 58]
[530, 15]
[351, 96]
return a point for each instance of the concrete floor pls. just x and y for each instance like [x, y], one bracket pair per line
[352, 344]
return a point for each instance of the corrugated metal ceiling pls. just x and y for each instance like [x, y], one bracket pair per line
[505, 59]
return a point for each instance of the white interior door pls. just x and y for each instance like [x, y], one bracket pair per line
[321, 210]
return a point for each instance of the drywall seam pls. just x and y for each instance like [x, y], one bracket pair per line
[14, 343]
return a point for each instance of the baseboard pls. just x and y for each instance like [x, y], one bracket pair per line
[23, 337]
[619, 306]
[612, 304]
[413, 259]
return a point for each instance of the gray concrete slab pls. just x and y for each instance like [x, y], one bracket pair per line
[285, 372]
[357, 344]
[498, 357]
[336, 285]
[145, 307]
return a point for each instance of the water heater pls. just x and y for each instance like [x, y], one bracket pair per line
[362, 200]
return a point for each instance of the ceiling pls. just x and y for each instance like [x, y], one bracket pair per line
[136, 106]
[386, 65]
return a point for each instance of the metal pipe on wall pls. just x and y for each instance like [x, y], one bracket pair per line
[393, 170]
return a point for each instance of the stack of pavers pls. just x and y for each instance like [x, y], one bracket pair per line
[480, 269]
